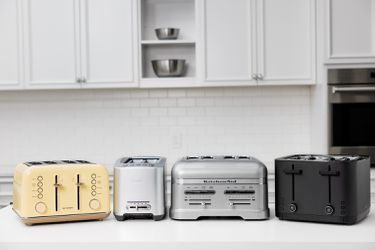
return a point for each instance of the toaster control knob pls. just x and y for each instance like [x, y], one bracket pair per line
[94, 204]
[329, 210]
[292, 207]
[203, 204]
[40, 207]
[231, 204]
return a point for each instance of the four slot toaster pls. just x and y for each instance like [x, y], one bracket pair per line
[317, 188]
[139, 188]
[323, 188]
[219, 186]
[56, 191]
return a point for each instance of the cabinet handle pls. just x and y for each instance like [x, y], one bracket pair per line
[260, 77]
[254, 76]
[78, 80]
[83, 80]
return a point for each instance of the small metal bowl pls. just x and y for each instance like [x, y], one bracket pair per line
[167, 33]
[169, 67]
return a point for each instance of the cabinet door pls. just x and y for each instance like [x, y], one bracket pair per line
[229, 42]
[107, 42]
[9, 44]
[351, 30]
[51, 44]
[286, 41]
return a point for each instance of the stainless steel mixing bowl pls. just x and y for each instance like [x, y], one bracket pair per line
[167, 33]
[169, 67]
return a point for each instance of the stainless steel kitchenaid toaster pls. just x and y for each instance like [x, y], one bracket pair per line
[139, 188]
[219, 186]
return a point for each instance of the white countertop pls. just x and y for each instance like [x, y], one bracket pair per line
[170, 234]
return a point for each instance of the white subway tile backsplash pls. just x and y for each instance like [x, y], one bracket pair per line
[186, 102]
[149, 102]
[176, 111]
[176, 92]
[170, 102]
[103, 125]
[158, 93]
[158, 112]
[139, 93]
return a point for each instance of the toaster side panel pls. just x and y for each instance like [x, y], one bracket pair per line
[358, 191]
[17, 187]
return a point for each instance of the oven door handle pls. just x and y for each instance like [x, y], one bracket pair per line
[351, 89]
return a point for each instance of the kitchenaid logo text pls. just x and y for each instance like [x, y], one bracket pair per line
[219, 181]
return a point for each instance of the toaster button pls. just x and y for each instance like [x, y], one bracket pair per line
[292, 207]
[40, 207]
[94, 204]
[329, 210]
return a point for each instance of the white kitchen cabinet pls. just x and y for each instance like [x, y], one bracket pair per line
[79, 43]
[52, 58]
[10, 49]
[286, 41]
[351, 31]
[108, 53]
[230, 53]
[260, 42]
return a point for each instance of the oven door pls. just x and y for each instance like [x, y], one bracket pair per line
[352, 120]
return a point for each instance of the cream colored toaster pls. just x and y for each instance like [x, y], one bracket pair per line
[60, 191]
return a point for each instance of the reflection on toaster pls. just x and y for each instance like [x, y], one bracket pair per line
[59, 191]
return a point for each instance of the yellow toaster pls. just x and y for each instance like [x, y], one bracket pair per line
[59, 191]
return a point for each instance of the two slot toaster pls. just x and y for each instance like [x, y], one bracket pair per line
[139, 188]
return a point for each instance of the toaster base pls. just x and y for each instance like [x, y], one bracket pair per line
[347, 220]
[63, 218]
[139, 216]
[195, 215]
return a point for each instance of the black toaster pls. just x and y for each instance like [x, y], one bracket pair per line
[322, 188]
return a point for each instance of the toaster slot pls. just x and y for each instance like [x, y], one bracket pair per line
[56, 185]
[78, 192]
[197, 192]
[293, 172]
[329, 173]
[200, 203]
[137, 207]
[239, 192]
[241, 203]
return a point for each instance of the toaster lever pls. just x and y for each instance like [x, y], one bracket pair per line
[293, 171]
[329, 173]
[56, 185]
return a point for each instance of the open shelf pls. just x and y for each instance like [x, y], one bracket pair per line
[161, 14]
[167, 42]
[173, 51]
[168, 13]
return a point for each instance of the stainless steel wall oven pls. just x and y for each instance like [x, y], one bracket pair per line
[352, 111]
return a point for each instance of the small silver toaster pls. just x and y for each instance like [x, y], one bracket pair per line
[219, 186]
[139, 188]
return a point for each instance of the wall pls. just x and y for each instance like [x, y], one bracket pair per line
[102, 125]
